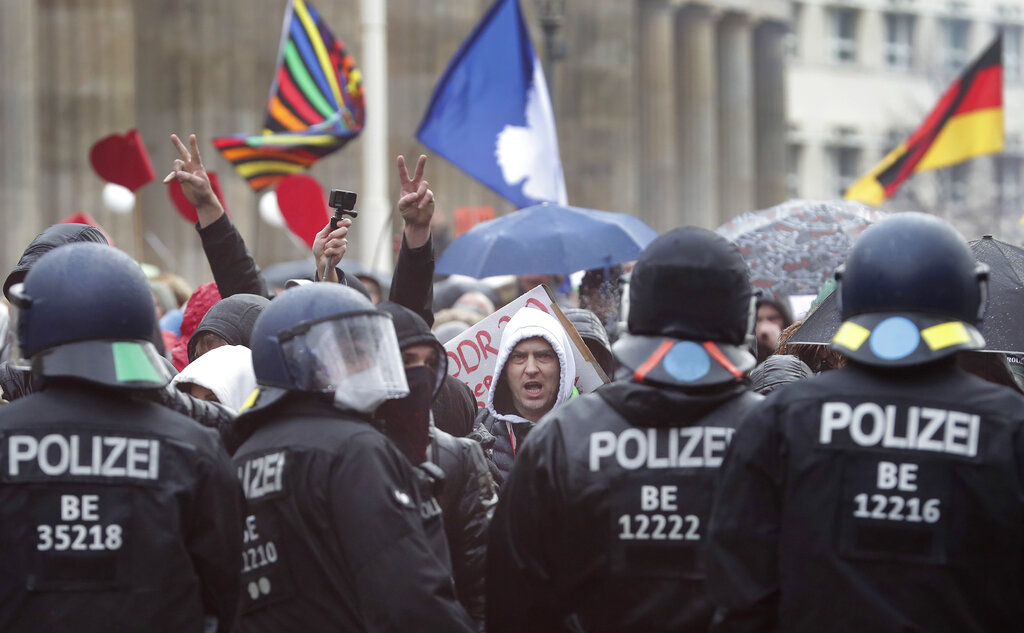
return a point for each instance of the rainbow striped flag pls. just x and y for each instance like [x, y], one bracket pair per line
[315, 105]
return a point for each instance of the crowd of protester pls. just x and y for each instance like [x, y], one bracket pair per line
[293, 453]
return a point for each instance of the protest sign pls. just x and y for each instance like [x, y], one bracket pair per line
[473, 354]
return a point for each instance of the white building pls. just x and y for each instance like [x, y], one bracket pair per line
[863, 74]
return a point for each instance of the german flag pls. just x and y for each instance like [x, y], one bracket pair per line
[966, 122]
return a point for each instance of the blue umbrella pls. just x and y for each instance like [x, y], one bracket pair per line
[546, 239]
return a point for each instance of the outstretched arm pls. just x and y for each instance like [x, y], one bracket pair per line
[232, 265]
[412, 284]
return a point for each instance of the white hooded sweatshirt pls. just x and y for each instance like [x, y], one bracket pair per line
[530, 323]
[226, 371]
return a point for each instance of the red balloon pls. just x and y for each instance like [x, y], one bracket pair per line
[303, 205]
[185, 207]
[122, 160]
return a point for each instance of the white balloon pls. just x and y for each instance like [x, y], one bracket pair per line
[269, 211]
[117, 198]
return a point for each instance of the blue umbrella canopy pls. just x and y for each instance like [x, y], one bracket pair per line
[546, 239]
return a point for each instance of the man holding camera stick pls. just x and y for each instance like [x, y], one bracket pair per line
[412, 284]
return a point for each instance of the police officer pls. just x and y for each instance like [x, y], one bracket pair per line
[888, 495]
[601, 524]
[334, 539]
[115, 513]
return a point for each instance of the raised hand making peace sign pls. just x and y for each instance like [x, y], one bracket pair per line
[415, 202]
[195, 183]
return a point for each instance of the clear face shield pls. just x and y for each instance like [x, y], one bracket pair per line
[353, 355]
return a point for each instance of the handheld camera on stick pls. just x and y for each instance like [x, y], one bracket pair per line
[343, 202]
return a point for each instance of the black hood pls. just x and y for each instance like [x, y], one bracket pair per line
[660, 406]
[777, 370]
[454, 407]
[411, 330]
[232, 319]
[781, 306]
[49, 239]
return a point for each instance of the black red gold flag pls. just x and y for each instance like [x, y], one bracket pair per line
[965, 123]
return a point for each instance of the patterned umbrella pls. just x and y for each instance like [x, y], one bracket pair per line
[794, 247]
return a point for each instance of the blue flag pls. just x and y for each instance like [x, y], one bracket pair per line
[490, 114]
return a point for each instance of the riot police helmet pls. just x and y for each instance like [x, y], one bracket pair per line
[690, 312]
[85, 311]
[910, 292]
[329, 339]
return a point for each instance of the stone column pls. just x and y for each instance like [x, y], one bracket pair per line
[770, 117]
[19, 164]
[696, 199]
[657, 165]
[736, 181]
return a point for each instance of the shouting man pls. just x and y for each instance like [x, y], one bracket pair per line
[534, 373]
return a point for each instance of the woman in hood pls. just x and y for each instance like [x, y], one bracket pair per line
[224, 375]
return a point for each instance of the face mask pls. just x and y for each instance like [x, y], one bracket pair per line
[407, 420]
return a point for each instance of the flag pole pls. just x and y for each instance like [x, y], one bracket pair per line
[137, 222]
[374, 241]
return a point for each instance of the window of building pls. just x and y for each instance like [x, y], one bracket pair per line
[845, 168]
[955, 38]
[958, 182]
[793, 154]
[899, 40]
[1008, 170]
[1011, 52]
[793, 37]
[843, 33]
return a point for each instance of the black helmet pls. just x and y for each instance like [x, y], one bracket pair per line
[86, 312]
[327, 338]
[910, 292]
[690, 311]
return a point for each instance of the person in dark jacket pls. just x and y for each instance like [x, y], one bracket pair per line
[115, 513]
[16, 381]
[227, 322]
[773, 316]
[778, 370]
[412, 282]
[335, 537]
[601, 525]
[887, 495]
[595, 336]
[232, 265]
[469, 493]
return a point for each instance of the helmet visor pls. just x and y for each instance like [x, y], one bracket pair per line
[354, 355]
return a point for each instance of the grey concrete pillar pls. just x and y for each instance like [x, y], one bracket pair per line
[696, 118]
[770, 97]
[19, 163]
[657, 165]
[736, 163]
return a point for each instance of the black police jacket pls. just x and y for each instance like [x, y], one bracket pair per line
[115, 515]
[334, 537]
[467, 502]
[601, 523]
[862, 500]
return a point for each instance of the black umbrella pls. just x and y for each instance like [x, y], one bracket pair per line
[1003, 327]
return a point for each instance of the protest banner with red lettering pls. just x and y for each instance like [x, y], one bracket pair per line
[473, 354]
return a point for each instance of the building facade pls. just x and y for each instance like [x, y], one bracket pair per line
[863, 74]
[672, 110]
